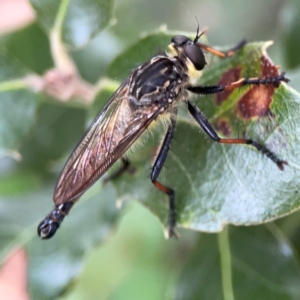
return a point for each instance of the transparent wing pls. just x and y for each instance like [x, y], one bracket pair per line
[112, 132]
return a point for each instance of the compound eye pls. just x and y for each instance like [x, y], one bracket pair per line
[195, 55]
[180, 39]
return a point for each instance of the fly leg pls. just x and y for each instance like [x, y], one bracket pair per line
[213, 89]
[158, 164]
[222, 54]
[203, 122]
[126, 167]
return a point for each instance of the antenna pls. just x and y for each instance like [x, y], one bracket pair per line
[197, 32]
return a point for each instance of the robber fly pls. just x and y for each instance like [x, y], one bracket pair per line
[152, 91]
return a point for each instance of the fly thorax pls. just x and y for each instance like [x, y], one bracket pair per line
[156, 81]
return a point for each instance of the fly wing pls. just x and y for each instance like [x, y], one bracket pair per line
[112, 132]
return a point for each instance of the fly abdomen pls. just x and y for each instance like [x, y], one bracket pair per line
[50, 224]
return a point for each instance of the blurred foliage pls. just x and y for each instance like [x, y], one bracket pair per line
[291, 33]
[237, 184]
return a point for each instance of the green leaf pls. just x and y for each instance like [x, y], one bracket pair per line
[18, 182]
[105, 92]
[81, 20]
[138, 53]
[17, 110]
[294, 76]
[35, 51]
[263, 264]
[56, 132]
[17, 104]
[219, 184]
[89, 223]
[133, 260]
[291, 32]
